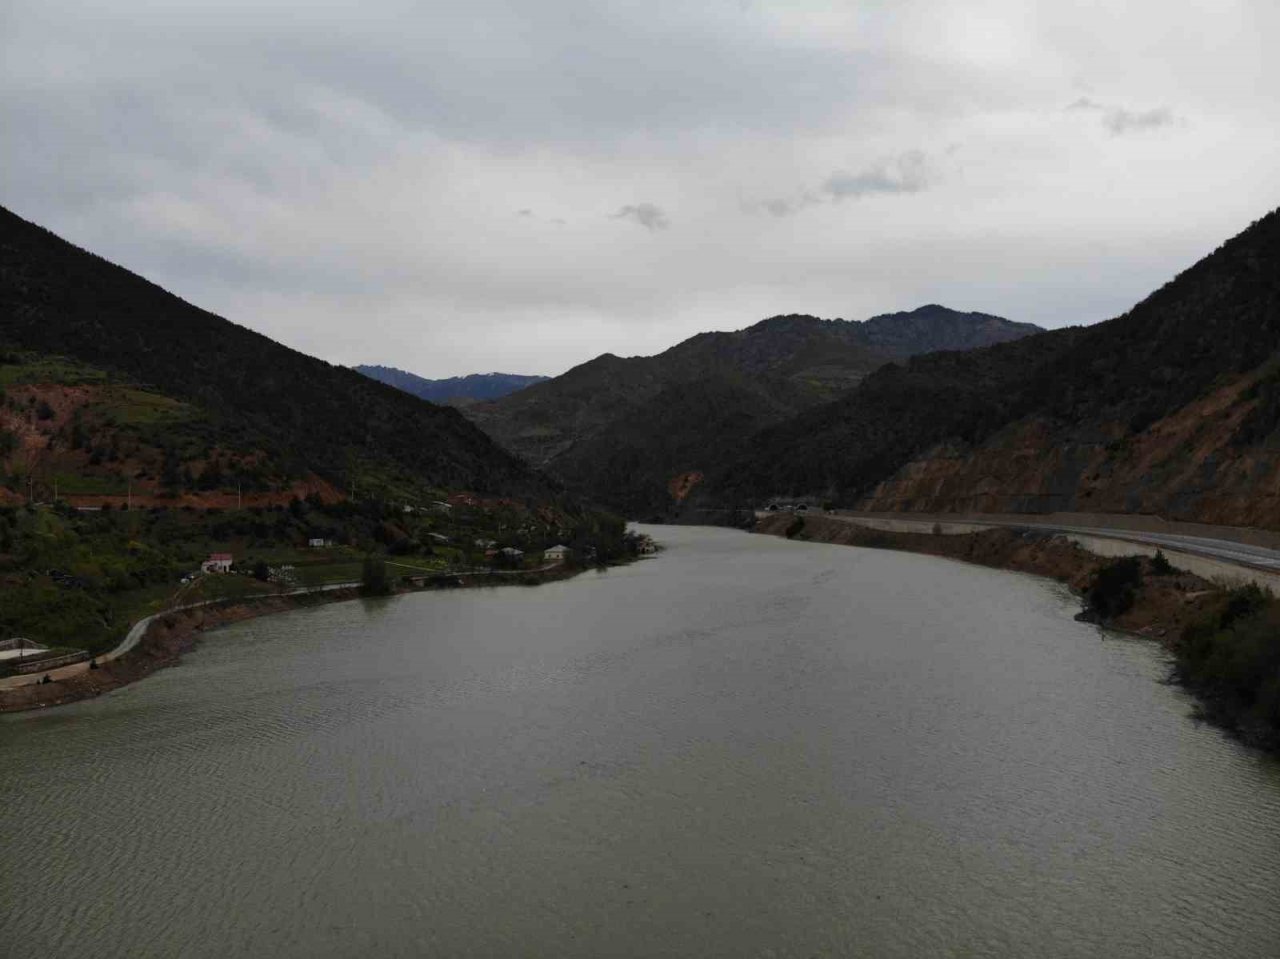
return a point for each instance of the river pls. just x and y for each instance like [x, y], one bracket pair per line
[741, 747]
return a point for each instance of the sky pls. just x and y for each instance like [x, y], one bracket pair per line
[521, 185]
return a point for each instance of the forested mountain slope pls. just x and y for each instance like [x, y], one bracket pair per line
[1172, 408]
[249, 395]
[629, 431]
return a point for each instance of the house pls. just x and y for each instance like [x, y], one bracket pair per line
[510, 552]
[217, 563]
[556, 554]
[319, 542]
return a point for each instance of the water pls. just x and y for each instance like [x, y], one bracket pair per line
[744, 747]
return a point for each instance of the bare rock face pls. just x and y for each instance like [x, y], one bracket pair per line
[1182, 467]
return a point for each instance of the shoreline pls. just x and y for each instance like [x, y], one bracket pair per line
[1163, 606]
[1159, 611]
[161, 639]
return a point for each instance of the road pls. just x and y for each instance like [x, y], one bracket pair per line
[1223, 550]
[139, 629]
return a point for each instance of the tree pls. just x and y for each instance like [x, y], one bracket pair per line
[1114, 587]
[374, 580]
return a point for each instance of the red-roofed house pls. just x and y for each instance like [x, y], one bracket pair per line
[217, 563]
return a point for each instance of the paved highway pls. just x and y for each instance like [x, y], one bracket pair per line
[1223, 550]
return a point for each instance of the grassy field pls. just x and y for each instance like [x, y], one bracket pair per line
[129, 406]
[80, 484]
[23, 368]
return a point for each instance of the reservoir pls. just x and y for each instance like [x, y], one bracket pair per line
[741, 747]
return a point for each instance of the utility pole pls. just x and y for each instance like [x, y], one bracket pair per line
[238, 500]
[129, 501]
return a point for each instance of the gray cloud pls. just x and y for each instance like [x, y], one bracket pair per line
[1119, 121]
[647, 215]
[903, 174]
[292, 170]
[781, 207]
[908, 172]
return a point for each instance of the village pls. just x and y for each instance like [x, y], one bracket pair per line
[87, 574]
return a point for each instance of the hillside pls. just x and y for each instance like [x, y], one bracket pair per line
[232, 396]
[1171, 409]
[454, 391]
[624, 430]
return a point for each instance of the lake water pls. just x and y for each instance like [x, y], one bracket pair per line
[742, 747]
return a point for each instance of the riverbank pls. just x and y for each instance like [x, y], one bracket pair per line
[1141, 596]
[1161, 609]
[168, 635]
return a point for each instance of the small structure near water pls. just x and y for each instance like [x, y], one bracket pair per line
[19, 656]
[217, 563]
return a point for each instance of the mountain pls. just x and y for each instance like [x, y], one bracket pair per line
[208, 393]
[628, 431]
[456, 390]
[1171, 409]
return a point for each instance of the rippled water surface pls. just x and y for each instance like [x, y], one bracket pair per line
[744, 747]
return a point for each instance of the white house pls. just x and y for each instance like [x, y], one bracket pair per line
[556, 554]
[217, 563]
[317, 542]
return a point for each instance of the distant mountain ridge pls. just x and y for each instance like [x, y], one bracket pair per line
[455, 390]
[622, 429]
[1171, 409]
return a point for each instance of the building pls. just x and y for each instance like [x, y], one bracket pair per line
[317, 542]
[217, 563]
[556, 554]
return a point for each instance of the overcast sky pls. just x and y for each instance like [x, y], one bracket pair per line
[520, 185]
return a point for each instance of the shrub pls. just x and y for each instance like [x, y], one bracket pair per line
[1160, 565]
[1114, 586]
[1232, 656]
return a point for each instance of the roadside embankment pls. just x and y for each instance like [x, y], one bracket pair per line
[1161, 608]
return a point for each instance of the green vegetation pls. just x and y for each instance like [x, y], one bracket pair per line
[1114, 588]
[1231, 658]
[374, 579]
[79, 579]
[21, 367]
